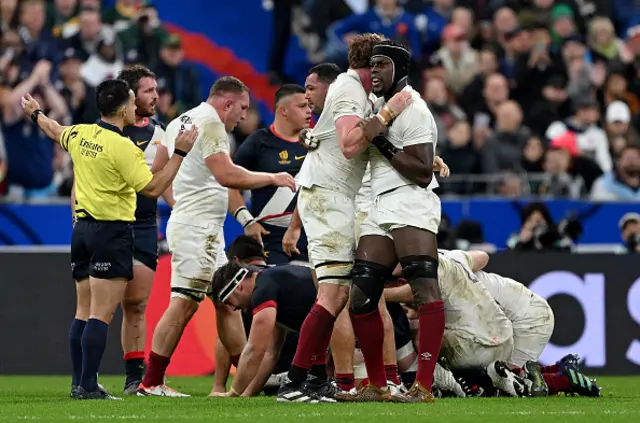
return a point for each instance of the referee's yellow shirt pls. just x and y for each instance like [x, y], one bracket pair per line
[108, 169]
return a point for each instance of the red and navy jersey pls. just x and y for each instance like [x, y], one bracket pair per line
[287, 288]
[266, 151]
[147, 137]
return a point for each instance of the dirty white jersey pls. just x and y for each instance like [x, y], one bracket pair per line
[200, 199]
[471, 311]
[364, 199]
[326, 166]
[415, 125]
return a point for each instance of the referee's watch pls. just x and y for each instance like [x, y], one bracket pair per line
[35, 114]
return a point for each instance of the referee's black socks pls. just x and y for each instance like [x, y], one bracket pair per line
[94, 342]
[75, 349]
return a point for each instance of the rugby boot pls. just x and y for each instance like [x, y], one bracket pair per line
[419, 393]
[159, 391]
[505, 380]
[538, 387]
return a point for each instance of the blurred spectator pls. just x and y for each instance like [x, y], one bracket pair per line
[483, 116]
[91, 31]
[61, 17]
[604, 44]
[434, 68]
[510, 185]
[3, 165]
[533, 155]
[104, 63]
[326, 12]
[504, 148]
[558, 181]
[179, 78]
[623, 183]
[38, 43]
[554, 106]
[246, 127]
[463, 18]
[121, 14]
[579, 165]
[386, 18]
[538, 231]
[472, 94]
[9, 16]
[30, 154]
[618, 128]
[461, 157]
[79, 95]
[563, 25]
[517, 42]
[591, 140]
[616, 87]
[629, 226]
[445, 113]
[141, 42]
[504, 21]
[433, 22]
[459, 59]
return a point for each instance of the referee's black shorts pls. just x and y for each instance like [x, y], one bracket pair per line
[146, 242]
[102, 250]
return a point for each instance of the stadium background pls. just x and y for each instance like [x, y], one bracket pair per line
[596, 297]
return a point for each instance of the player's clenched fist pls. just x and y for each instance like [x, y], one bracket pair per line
[307, 140]
[186, 139]
[283, 179]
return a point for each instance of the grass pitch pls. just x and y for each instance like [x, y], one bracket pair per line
[46, 399]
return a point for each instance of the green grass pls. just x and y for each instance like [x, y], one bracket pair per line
[46, 398]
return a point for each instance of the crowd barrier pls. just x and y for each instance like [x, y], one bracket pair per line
[50, 224]
[595, 298]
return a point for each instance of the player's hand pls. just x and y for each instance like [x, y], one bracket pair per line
[283, 179]
[290, 241]
[29, 104]
[186, 139]
[371, 127]
[307, 140]
[440, 166]
[256, 230]
[399, 102]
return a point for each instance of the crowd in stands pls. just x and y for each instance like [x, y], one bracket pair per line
[59, 51]
[530, 96]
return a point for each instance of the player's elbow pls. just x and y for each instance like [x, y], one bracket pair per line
[349, 151]
[152, 190]
[424, 177]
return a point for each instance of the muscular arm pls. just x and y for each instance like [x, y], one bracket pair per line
[414, 162]
[168, 196]
[268, 363]
[350, 136]
[50, 127]
[296, 223]
[262, 327]
[400, 294]
[233, 176]
[230, 328]
[161, 159]
[223, 365]
[163, 178]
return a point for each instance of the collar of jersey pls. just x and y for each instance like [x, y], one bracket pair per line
[110, 127]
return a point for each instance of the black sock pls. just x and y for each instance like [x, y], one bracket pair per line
[75, 349]
[94, 342]
[319, 372]
[297, 376]
[134, 368]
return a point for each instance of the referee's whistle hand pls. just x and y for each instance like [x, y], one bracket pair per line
[283, 179]
[186, 139]
[29, 104]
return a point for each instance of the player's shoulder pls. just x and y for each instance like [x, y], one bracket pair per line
[346, 81]
[156, 123]
[259, 136]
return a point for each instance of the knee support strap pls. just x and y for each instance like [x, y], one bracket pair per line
[334, 272]
[419, 267]
[368, 283]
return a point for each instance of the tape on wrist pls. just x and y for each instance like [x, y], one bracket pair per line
[244, 217]
[180, 153]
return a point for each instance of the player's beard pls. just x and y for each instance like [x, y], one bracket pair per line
[146, 111]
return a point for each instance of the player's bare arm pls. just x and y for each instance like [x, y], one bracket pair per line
[161, 159]
[238, 209]
[230, 328]
[233, 176]
[291, 237]
[262, 327]
[480, 259]
[50, 127]
[164, 177]
[399, 294]
[354, 136]
[268, 363]
[223, 367]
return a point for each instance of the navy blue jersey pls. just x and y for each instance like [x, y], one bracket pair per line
[265, 151]
[147, 137]
[289, 289]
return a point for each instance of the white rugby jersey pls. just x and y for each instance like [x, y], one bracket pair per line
[514, 298]
[200, 199]
[470, 309]
[415, 125]
[364, 199]
[327, 166]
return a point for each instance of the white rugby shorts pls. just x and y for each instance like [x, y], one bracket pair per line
[463, 351]
[402, 207]
[328, 218]
[196, 253]
[531, 333]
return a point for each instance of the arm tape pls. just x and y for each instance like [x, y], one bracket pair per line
[385, 147]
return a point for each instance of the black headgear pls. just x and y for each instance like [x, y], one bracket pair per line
[400, 58]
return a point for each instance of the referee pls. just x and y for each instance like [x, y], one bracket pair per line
[108, 171]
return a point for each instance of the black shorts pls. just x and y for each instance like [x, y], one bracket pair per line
[273, 246]
[102, 250]
[146, 242]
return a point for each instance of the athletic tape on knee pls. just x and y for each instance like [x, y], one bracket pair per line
[406, 351]
[419, 267]
[187, 294]
[368, 284]
[334, 272]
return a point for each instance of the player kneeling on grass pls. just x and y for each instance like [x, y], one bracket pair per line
[280, 298]
[533, 322]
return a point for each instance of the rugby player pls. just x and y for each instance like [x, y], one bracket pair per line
[330, 178]
[274, 149]
[108, 171]
[279, 298]
[402, 225]
[146, 133]
[194, 231]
